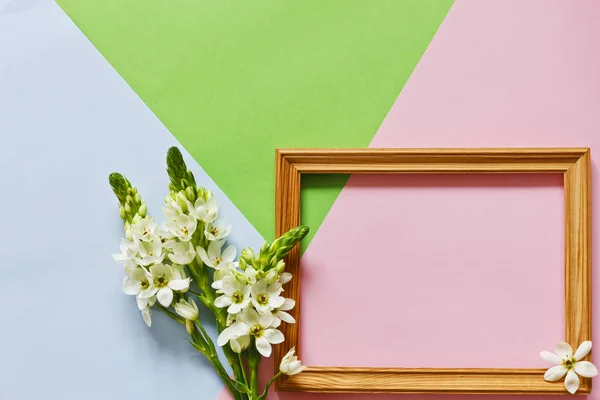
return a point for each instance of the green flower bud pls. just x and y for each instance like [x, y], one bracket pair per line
[143, 209]
[182, 201]
[137, 198]
[190, 194]
[264, 247]
[127, 209]
[122, 212]
[242, 263]
[248, 255]
[280, 266]
[189, 326]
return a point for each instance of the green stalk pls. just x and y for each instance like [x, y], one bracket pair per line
[273, 379]
[253, 364]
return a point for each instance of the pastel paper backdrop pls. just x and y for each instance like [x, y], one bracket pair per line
[243, 78]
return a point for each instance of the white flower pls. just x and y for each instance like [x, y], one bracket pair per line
[150, 252]
[183, 252]
[188, 310]
[171, 209]
[183, 227]
[164, 281]
[221, 274]
[280, 314]
[569, 364]
[260, 326]
[214, 258]
[255, 325]
[217, 230]
[128, 248]
[236, 295]
[290, 365]
[206, 211]
[137, 281]
[144, 230]
[266, 297]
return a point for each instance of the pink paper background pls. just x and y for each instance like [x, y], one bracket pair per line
[436, 271]
[499, 73]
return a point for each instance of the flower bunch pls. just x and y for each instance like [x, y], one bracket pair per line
[168, 267]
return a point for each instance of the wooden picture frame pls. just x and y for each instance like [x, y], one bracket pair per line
[574, 163]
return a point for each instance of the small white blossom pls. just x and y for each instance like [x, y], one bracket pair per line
[150, 252]
[290, 365]
[164, 282]
[569, 364]
[144, 230]
[236, 295]
[171, 209]
[206, 211]
[182, 252]
[214, 258]
[129, 249]
[280, 314]
[136, 282]
[183, 227]
[221, 274]
[266, 297]
[253, 324]
[187, 309]
[217, 230]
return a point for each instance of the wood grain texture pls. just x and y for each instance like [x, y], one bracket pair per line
[578, 255]
[574, 163]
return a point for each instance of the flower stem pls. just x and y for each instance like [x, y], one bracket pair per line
[253, 363]
[273, 379]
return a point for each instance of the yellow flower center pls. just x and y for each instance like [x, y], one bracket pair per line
[214, 230]
[237, 297]
[185, 230]
[257, 330]
[263, 299]
[160, 280]
[217, 261]
[569, 363]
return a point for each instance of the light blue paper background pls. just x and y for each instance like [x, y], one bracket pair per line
[66, 121]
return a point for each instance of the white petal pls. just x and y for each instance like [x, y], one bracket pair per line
[586, 369]
[563, 350]
[551, 357]
[229, 254]
[234, 308]
[285, 277]
[273, 336]
[555, 373]
[224, 337]
[204, 256]
[263, 346]
[141, 303]
[276, 302]
[165, 296]
[179, 284]
[286, 317]
[240, 329]
[146, 316]
[266, 319]
[146, 294]
[572, 382]
[222, 301]
[132, 287]
[288, 304]
[583, 350]
[251, 316]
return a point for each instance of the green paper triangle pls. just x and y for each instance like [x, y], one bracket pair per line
[233, 80]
